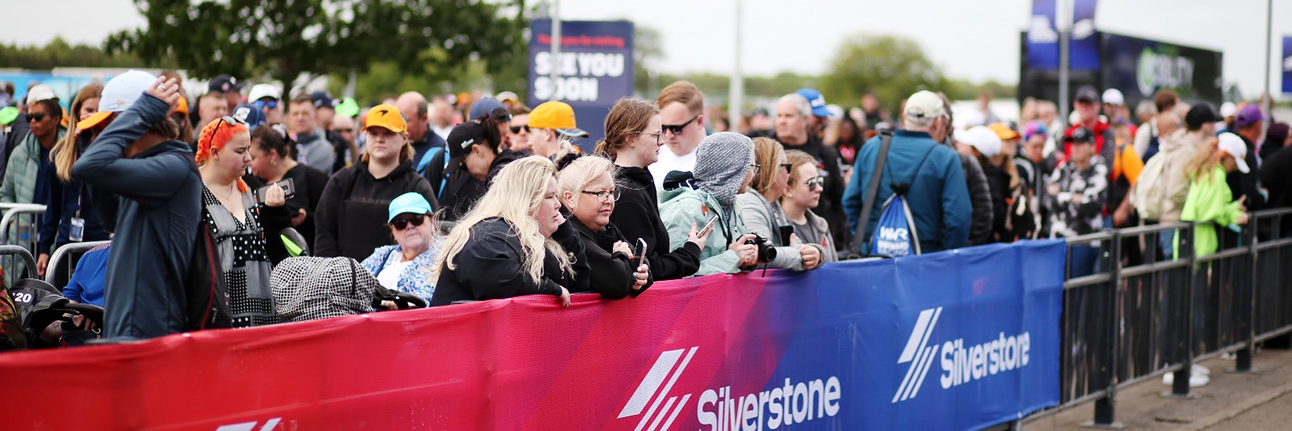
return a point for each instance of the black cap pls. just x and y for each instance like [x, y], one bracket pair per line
[1201, 114]
[224, 83]
[1080, 134]
[323, 100]
[462, 137]
[1087, 94]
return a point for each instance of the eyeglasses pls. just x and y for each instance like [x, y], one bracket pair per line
[816, 182]
[271, 104]
[605, 195]
[403, 220]
[757, 167]
[659, 136]
[345, 130]
[677, 129]
[517, 129]
[788, 167]
[36, 116]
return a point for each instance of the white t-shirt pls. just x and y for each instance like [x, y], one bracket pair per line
[669, 162]
[389, 276]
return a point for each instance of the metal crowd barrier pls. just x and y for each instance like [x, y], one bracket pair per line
[19, 226]
[67, 252]
[1145, 313]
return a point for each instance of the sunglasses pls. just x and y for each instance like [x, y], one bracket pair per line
[403, 220]
[676, 129]
[36, 116]
[223, 120]
[816, 182]
[346, 130]
[271, 104]
[517, 129]
[604, 195]
[788, 166]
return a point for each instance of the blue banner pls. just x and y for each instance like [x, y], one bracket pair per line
[1083, 51]
[1043, 37]
[1287, 64]
[595, 67]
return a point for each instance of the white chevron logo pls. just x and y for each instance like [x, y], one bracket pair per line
[664, 372]
[919, 354]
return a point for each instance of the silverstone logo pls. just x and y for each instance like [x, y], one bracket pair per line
[662, 370]
[722, 410]
[961, 364]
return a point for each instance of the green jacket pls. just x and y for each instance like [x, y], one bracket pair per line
[1211, 204]
[19, 184]
[681, 207]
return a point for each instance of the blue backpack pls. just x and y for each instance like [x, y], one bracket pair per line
[895, 234]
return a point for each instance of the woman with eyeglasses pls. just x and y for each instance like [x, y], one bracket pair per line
[234, 218]
[802, 195]
[357, 197]
[633, 141]
[587, 188]
[761, 209]
[65, 221]
[406, 266]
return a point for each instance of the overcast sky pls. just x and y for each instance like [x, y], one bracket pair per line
[976, 39]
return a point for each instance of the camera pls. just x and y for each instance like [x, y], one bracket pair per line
[766, 251]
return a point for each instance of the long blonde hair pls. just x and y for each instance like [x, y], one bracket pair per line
[521, 181]
[64, 153]
[1204, 160]
[767, 153]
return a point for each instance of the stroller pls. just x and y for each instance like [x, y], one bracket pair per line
[47, 318]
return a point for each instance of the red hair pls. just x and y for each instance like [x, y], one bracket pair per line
[213, 139]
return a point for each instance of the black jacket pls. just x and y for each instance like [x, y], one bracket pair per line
[613, 278]
[998, 185]
[1248, 184]
[980, 197]
[831, 207]
[637, 216]
[461, 189]
[353, 209]
[489, 266]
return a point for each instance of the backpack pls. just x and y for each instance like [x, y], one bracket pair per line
[895, 234]
[1148, 194]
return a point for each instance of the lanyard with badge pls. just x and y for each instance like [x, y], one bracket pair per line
[77, 232]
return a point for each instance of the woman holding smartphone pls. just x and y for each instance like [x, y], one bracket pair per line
[587, 188]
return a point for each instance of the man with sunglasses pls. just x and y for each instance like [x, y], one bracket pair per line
[795, 115]
[519, 127]
[24, 176]
[681, 112]
[268, 98]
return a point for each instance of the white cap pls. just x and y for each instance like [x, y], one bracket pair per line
[924, 104]
[123, 90]
[1228, 109]
[260, 91]
[836, 112]
[40, 92]
[984, 139]
[1113, 96]
[1232, 144]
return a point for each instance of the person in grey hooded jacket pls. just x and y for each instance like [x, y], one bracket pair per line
[761, 209]
[138, 159]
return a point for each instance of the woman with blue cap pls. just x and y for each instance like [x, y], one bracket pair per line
[406, 266]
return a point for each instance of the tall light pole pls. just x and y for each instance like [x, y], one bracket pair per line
[1063, 23]
[556, 48]
[1269, 39]
[736, 100]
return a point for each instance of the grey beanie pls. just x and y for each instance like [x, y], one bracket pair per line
[720, 168]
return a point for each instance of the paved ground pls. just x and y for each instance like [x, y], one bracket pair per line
[1261, 401]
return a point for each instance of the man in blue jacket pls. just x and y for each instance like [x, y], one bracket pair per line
[138, 159]
[938, 196]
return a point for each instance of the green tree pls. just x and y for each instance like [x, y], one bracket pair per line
[285, 38]
[58, 53]
[891, 67]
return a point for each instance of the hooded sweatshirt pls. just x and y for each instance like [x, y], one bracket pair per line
[637, 216]
[352, 213]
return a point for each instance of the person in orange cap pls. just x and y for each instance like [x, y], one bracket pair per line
[552, 127]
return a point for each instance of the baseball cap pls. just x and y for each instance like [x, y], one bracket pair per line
[323, 100]
[224, 83]
[816, 100]
[249, 114]
[836, 112]
[1228, 108]
[118, 94]
[8, 114]
[924, 104]
[1201, 114]
[507, 95]
[1003, 131]
[1113, 96]
[409, 203]
[40, 92]
[982, 138]
[462, 137]
[386, 116]
[555, 115]
[261, 91]
[486, 107]
[1080, 134]
[1250, 114]
[182, 105]
[347, 108]
[1232, 144]
[1087, 94]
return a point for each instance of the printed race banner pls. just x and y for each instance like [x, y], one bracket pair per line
[1286, 64]
[952, 340]
[595, 68]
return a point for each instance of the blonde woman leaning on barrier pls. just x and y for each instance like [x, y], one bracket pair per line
[587, 187]
[513, 242]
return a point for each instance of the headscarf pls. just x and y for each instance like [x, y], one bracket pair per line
[720, 168]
